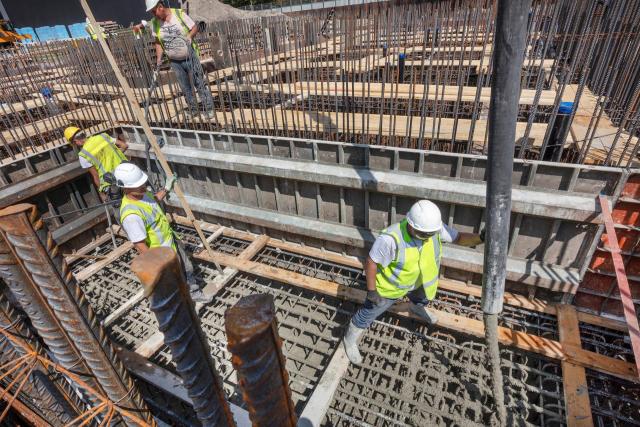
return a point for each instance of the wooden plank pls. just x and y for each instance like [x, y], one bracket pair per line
[123, 309]
[320, 400]
[255, 247]
[546, 347]
[71, 258]
[574, 378]
[115, 254]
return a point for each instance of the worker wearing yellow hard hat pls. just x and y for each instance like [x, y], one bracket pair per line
[100, 154]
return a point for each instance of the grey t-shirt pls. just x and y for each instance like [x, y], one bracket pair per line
[174, 37]
[384, 248]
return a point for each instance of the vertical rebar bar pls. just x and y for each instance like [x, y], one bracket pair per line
[159, 271]
[253, 340]
[39, 258]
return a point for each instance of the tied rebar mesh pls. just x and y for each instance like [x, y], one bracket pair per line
[256, 348]
[39, 258]
[159, 271]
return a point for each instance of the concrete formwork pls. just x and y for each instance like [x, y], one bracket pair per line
[343, 194]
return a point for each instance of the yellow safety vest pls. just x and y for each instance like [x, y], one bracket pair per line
[101, 151]
[417, 263]
[92, 33]
[159, 232]
[155, 24]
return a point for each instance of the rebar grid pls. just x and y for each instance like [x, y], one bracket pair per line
[576, 51]
[606, 341]
[419, 376]
[614, 402]
[135, 327]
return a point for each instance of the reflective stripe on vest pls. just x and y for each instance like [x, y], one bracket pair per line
[155, 24]
[159, 232]
[398, 278]
[103, 154]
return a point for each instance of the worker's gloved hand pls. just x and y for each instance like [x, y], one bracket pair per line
[374, 297]
[168, 186]
[482, 234]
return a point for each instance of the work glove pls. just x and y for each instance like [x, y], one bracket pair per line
[374, 297]
[168, 186]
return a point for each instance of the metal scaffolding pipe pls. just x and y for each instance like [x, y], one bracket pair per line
[39, 258]
[159, 271]
[253, 340]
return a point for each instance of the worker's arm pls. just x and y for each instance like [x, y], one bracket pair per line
[192, 32]
[370, 271]
[141, 247]
[121, 143]
[168, 186]
[159, 52]
[96, 180]
[468, 239]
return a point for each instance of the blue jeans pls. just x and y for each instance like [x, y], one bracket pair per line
[369, 312]
[185, 71]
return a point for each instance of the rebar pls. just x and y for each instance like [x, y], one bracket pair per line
[253, 340]
[160, 273]
[39, 258]
[54, 397]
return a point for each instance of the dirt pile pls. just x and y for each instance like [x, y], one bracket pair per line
[215, 10]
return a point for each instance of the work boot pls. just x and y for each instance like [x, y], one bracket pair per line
[351, 343]
[423, 313]
[199, 296]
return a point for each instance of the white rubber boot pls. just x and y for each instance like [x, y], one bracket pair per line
[423, 313]
[351, 343]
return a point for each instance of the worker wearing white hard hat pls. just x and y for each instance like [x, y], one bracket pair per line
[405, 261]
[174, 33]
[145, 222]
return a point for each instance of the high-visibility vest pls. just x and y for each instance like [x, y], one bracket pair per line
[156, 24]
[417, 263]
[159, 232]
[92, 33]
[103, 154]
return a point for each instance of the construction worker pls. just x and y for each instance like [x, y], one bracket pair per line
[145, 222]
[100, 154]
[404, 260]
[174, 32]
[92, 31]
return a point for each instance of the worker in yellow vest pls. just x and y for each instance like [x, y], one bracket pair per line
[405, 261]
[92, 31]
[100, 154]
[146, 224]
[174, 33]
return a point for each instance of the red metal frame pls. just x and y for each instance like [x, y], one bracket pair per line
[623, 285]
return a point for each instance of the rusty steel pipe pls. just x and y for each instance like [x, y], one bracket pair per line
[55, 398]
[256, 348]
[159, 271]
[40, 260]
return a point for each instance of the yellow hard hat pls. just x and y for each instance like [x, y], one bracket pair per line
[70, 132]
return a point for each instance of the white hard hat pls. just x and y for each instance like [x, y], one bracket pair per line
[151, 4]
[129, 175]
[425, 216]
